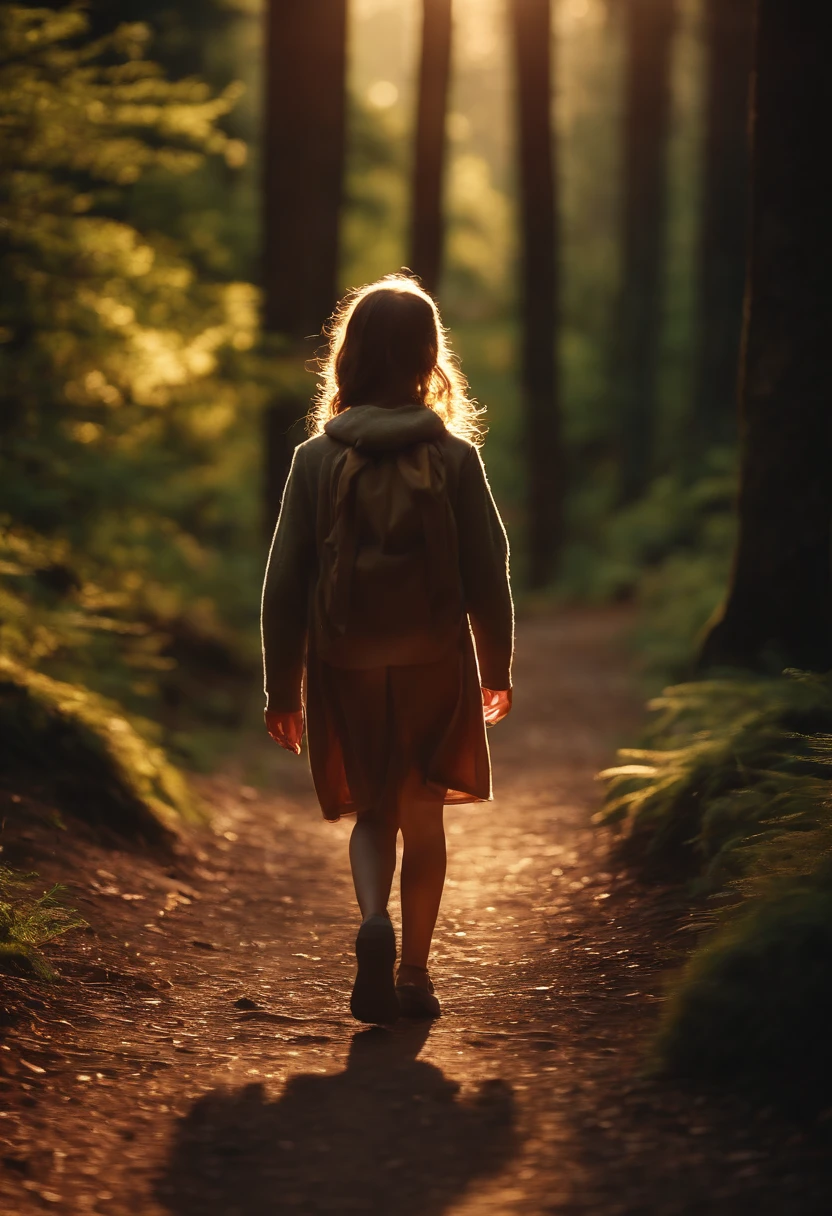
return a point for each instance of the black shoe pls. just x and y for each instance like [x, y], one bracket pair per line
[374, 997]
[417, 1000]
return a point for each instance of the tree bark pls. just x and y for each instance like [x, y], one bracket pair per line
[427, 227]
[539, 304]
[779, 607]
[649, 29]
[723, 236]
[303, 152]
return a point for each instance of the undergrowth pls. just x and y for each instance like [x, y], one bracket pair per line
[669, 552]
[753, 1005]
[733, 792]
[88, 756]
[29, 921]
[131, 385]
[729, 761]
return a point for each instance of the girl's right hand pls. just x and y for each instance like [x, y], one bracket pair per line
[496, 704]
[285, 729]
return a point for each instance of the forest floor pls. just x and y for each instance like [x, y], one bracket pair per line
[197, 1057]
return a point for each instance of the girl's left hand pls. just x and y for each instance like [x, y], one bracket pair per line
[285, 729]
[496, 704]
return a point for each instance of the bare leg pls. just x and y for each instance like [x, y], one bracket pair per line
[423, 877]
[373, 861]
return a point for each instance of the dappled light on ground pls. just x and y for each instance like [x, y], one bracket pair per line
[200, 1058]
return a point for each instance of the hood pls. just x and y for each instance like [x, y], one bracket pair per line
[380, 428]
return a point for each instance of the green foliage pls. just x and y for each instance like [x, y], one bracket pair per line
[88, 756]
[213, 213]
[736, 784]
[671, 551]
[28, 922]
[685, 562]
[731, 761]
[481, 243]
[107, 335]
[754, 1004]
[375, 202]
[53, 612]
[130, 387]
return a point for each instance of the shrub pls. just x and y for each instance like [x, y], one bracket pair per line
[736, 783]
[28, 922]
[754, 1005]
[129, 386]
[670, 552]
[729, 758]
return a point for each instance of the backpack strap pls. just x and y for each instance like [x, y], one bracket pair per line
[342, 540]
[422, 467]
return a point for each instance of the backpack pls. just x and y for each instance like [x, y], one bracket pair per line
[389, 591]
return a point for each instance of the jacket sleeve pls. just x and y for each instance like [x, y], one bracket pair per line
[483, 561]
[285, 604]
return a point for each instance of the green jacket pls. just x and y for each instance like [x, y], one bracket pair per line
[305, 521]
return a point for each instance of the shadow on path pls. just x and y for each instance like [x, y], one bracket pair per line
[388, 1134]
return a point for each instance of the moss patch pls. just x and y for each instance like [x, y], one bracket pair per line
[93, 761]
[754, 1005]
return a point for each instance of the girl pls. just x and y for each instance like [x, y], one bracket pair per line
[388, 555]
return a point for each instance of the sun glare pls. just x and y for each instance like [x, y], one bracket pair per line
[382, 94]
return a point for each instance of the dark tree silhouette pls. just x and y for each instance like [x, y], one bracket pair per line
[303, 149]
[723, 236]
[779, 607]
[532, 45]
[649, 27]
[427, 229]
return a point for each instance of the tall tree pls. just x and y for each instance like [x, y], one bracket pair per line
[303, 150]
[727, 30]
[426, 225]
[648, 31]
[779, 606]
[539, 308]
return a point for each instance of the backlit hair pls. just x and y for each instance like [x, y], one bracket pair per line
[387, 342]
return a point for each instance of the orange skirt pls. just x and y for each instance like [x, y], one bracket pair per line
[369, 730]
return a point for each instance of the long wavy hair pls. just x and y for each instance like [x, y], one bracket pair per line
[387, 344]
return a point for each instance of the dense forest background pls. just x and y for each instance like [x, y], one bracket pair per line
[185, 189]
[138, 376]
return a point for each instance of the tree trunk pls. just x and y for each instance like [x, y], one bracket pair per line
[649, 28]
[303, 151]
[723, 236]
[779, 607]
[427, 229]
[532, 45]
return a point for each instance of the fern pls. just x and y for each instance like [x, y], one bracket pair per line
[732, 766]
[28, 921]
[738, 777]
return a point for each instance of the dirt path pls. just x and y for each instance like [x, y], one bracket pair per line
[199, 1061]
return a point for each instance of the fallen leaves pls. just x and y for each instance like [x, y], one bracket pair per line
[33, 1067]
